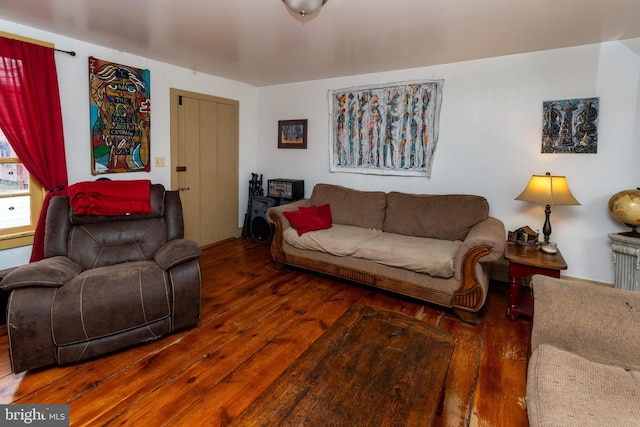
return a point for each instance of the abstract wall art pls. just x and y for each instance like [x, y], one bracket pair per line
[570, 126]
[385, 129]
[292, 133]
[120, 105]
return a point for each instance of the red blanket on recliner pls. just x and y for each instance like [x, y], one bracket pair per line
[110, 197]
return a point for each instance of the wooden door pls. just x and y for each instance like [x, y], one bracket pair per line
[204, 164]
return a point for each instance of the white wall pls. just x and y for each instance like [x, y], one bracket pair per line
[74, 94]
[490, 139]
[489, 133]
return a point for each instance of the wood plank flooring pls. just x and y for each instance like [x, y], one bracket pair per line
[255, 322]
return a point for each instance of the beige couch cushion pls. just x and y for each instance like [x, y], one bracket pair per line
[447, 217]
[564, 389]
[364, 209]
[339, 240]
[419, 254]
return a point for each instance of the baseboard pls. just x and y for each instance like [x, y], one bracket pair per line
[587, 281]
[500, 273]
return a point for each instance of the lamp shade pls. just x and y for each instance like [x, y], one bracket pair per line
[548, 190]
[304, 7]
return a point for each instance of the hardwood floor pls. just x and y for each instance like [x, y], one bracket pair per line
[255, 322]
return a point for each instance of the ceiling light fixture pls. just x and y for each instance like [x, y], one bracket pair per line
[304, 7]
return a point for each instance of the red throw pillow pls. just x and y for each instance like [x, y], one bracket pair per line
[310, 218]
[325, 214]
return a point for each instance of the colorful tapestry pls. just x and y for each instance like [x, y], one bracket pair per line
[120, 117]
[385, 129]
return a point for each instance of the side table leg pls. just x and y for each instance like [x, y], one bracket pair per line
[512, 309]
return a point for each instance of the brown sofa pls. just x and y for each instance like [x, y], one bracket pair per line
[107, 282]
[435, 248]
[584, 368]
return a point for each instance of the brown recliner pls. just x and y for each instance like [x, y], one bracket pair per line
[107, 282]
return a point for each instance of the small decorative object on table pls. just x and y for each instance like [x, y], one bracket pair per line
[524, 236]
[550, 248]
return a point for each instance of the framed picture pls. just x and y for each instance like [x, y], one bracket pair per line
[292, 133]
[570, 126]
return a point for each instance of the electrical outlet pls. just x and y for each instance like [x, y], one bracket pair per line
[159, 161]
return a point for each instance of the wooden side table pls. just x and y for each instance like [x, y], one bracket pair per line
[526, 261]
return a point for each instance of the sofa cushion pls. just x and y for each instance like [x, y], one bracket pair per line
[310, 218]
[420, 254]
[339, 240]
[109, 300]
[447, 217]
[566, 389]
[364, 209]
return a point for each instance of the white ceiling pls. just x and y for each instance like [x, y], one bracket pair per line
[261, 43]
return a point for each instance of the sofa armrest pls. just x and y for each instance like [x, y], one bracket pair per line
[176, 252]
[489, 233]
[599, 323]
[276, 217]
[484, 243]
[48, 272]
[275, 214]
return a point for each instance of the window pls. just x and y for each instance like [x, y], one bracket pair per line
[20, 199]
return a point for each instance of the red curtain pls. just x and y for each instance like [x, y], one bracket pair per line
[31, 119]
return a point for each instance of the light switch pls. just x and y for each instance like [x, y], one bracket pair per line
[159, 162]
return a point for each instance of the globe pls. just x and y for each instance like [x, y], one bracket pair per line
[624, 206]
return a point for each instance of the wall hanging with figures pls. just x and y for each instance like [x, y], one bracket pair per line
[387, 129]
[570, 126]
[120, 104]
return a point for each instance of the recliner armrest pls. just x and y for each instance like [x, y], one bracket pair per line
[176, 252]
[48, 272]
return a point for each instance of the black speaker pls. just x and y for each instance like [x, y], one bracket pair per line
[260, 229]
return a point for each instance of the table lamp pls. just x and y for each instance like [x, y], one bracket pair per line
[548, 190]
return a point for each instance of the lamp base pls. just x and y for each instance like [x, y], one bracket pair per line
[546, 229]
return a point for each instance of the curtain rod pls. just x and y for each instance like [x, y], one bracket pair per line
[34, 41]
[68, 52]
